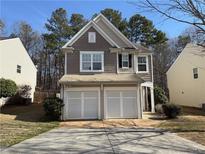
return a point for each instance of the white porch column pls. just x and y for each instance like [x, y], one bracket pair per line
[152, 100]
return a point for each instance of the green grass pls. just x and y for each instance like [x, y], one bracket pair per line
[22, 122]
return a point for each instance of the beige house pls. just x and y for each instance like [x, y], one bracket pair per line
[106, 75]
[16, 64]
[186, 77]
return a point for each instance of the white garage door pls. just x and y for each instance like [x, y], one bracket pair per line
[121, 103]
[81, 104]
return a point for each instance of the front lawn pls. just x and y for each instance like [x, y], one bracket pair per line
[18, 123]
[190, 125]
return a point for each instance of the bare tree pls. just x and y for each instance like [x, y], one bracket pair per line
[191, 12]
[30, 38]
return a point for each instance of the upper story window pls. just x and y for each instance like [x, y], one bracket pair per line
[142, 64]
[91, 37]
[125, 60]
[18, 69]
[195, 73]
[91, 61]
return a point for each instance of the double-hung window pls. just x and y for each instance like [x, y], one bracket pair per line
[142, 64]
[18, 69]
[91, 61]
[195, 73]
[125, 61]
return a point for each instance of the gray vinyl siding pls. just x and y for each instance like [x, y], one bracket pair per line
[73, 59]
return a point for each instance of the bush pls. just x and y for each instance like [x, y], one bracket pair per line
[24, 91]
[171, 110]
[22, 96]
[159, 109]
[18, 100]
[7, 88]
[52, 107]
[160, 96]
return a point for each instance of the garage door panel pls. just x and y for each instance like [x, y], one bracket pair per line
[113, 107]
[74, 108]
[111, 93]
[90, 108]
[74, 94]
[129, 93]
[91, 94]
[129, 107]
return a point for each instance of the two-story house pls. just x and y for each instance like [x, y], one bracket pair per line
[106, 75]
[16, 64]
[186, 77]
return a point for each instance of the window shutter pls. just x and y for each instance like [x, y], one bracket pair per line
[130, 60]
[120, 60]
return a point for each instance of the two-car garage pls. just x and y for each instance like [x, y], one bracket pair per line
[86, 103]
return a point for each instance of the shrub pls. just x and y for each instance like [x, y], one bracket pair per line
[19, 100]
[24, 91]
[52, 107]
[7, 88]
[22, 96]
[159, 109]
[171, 110]
[160, 96]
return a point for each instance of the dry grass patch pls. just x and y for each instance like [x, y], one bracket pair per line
[18, 123]
[190, 125]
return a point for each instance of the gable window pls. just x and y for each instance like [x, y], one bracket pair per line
[142, 64]
[91, 61]
[195, 73]
[18, 69]
[91, 37]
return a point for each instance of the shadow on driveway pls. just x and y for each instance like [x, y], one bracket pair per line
[107, 140]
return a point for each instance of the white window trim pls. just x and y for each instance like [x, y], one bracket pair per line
[147, 64]
[90, 40]
[91, 52]
[125, 54]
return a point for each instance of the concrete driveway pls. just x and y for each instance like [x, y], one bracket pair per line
[106, 140]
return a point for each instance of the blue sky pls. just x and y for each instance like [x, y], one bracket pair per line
[36, 12]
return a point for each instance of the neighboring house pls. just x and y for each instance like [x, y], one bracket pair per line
[186, 77]
[16, 64]
[106, 75]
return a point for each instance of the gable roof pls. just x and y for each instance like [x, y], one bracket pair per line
[191, 49]
[114, 29]
[84, 29]
[95, 24]
[17, 46]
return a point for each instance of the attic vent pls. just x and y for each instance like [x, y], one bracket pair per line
[91, 37]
